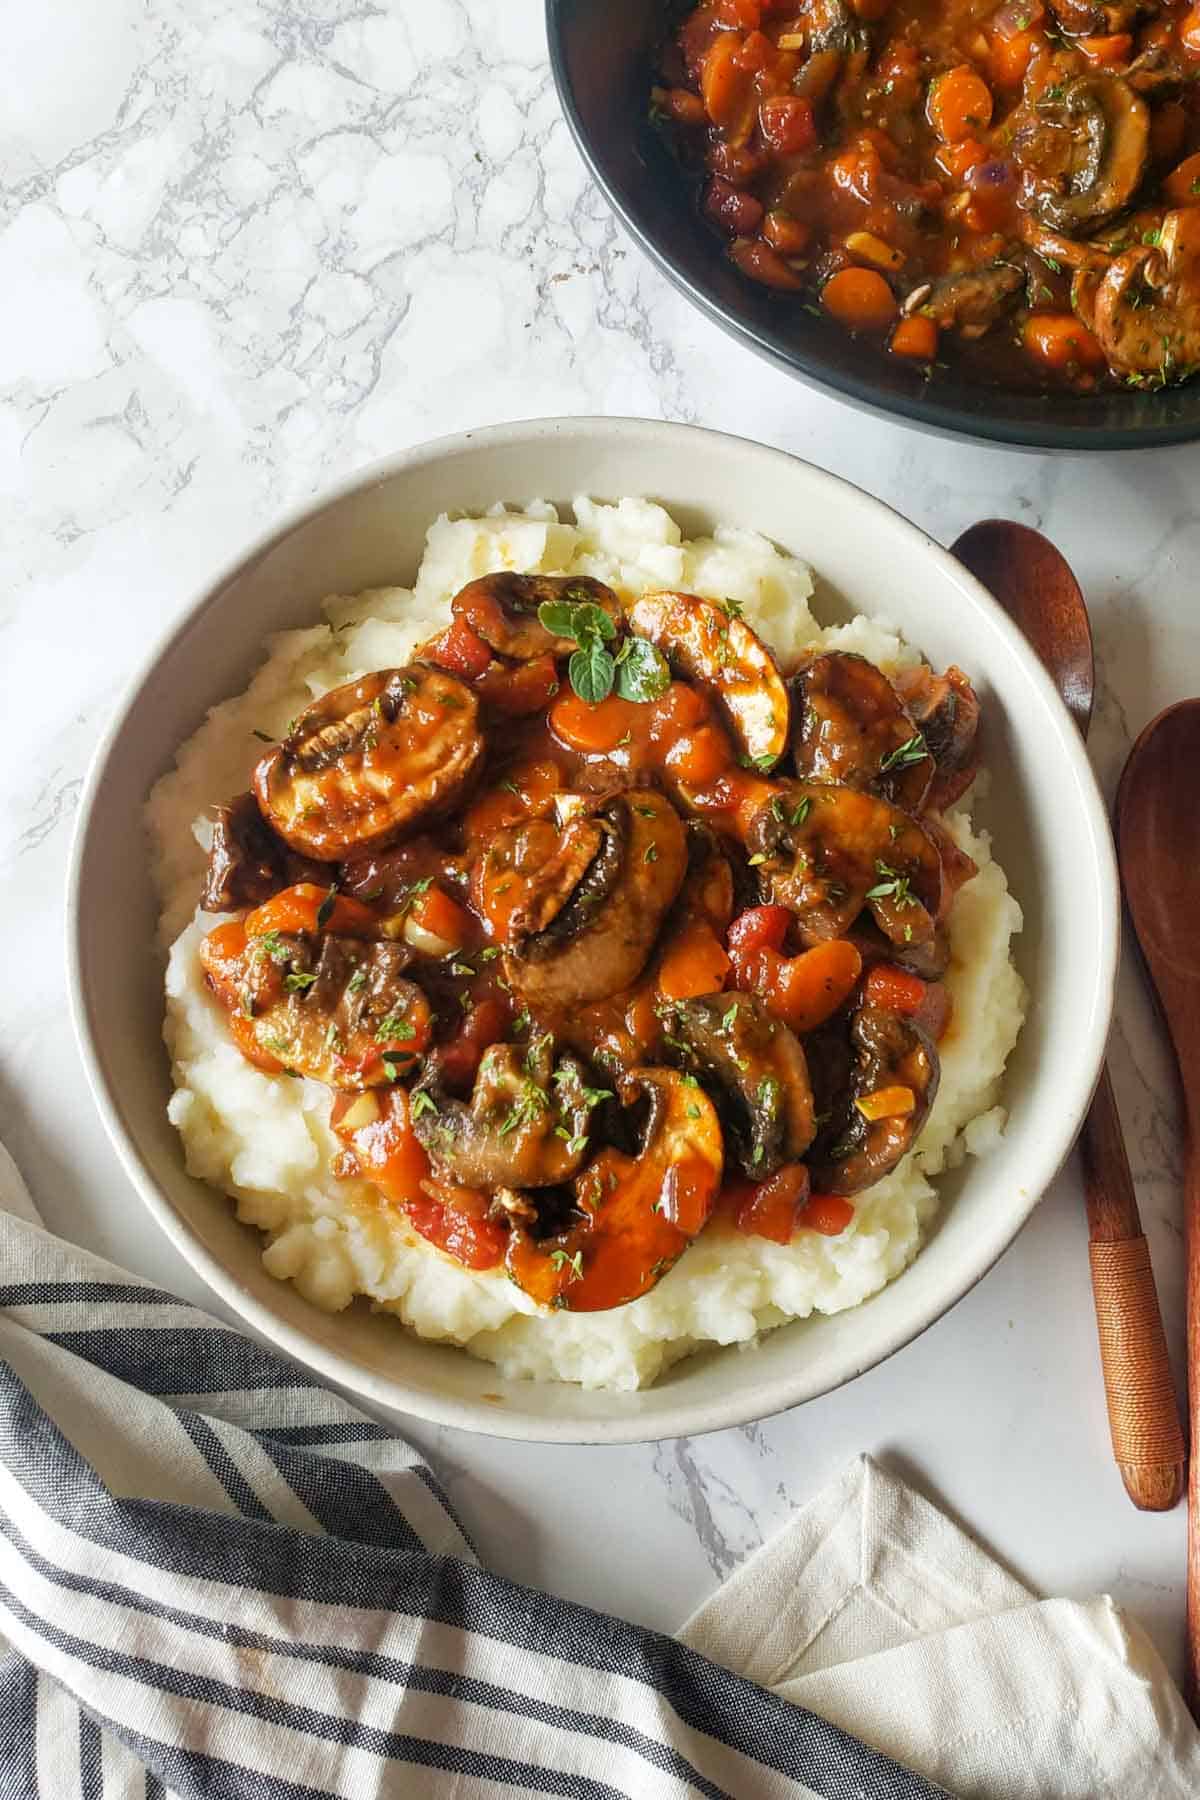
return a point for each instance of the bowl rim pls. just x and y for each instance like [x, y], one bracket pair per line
[750, 1402]
[931, 415]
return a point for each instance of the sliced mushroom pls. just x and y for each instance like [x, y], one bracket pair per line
[827, 851]
[1086, 18]
[852, 726]
[334, 1008]
[370, 762]
[1085, 147]
[946, 711]
[1159, 72]
[761, 1076]
[631, 1217]
[877, 1092]
[502, 610]
[712, 645]
[592, 895]
[526, 1125]
[972, 302]
[247, 861]
[1146, 309]
[1059, 251]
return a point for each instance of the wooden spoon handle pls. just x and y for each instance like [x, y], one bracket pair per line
[1143, 1412]
[1191, 1192]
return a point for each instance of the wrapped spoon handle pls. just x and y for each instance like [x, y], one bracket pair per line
[1143, 1414]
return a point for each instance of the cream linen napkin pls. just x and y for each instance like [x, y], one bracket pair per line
[876, 1612]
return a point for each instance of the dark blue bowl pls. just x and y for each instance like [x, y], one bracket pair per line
[603, 54]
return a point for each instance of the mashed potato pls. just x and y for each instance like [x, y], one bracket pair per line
[265, 1139]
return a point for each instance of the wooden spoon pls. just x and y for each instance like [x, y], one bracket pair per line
[1158, 842]
[1034, 584]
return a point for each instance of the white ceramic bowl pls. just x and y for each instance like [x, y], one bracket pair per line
[1050, 829]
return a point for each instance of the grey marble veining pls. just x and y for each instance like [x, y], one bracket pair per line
[245, 248]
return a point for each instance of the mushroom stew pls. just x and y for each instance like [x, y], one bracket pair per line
[603, 929]
[1007, 189]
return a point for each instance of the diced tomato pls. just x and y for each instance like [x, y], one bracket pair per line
[378, 1131]
[827, 1213]
[485, 1024]
[927, 1003]
[759, 927]
[788, 125]
[460, 650]
[895, 989]
[455, 1219]
[771, 1208]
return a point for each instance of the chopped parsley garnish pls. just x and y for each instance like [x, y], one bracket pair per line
[905, 755]
[490, 954]
[651, 853]
[325, 910]
[764, 764]
[357, 982]
[298, 980]
[272, 945]
[892, 886]
[422, 1103]
[393, 1029]
[561, 1261]
[461, 968]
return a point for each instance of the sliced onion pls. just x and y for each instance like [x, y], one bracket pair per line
[427, 942]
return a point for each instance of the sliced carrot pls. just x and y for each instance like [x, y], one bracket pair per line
[1107, 52]
[1189, 31]
[740, 15]
[1061, 341]
[960, 104]
[435, 912]
[916, 337]
[827, 1213]
[860, 299]
[694, 964]
[307, 907]
[959, 159]
[806, 990]
[1182, 186]
[1168, 131]
[1009, 58]
[596, 729]
[727, 88]
[699, 756]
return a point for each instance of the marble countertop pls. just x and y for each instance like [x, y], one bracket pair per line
[247, 247]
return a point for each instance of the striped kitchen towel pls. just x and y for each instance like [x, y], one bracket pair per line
[218, 1580]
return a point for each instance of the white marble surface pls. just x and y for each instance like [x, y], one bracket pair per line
[246, 247]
